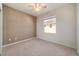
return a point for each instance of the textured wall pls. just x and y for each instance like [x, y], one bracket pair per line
[17, 25]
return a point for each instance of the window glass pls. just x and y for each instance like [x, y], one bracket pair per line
[50, 25]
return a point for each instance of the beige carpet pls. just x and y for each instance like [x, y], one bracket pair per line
[38, 47]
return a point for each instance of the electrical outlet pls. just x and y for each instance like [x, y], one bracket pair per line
[9, 39]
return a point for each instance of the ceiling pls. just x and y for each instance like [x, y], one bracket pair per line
[24, 7]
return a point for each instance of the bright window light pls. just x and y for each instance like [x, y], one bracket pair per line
[50, 25]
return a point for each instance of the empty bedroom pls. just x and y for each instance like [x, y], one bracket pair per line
[40, 29]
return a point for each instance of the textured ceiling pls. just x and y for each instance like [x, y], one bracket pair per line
[24, 7]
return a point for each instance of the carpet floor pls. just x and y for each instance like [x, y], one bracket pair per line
[38, 47]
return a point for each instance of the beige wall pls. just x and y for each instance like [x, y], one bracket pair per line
[17, 25]
[77, 11]
[65, 26]
[1, 30]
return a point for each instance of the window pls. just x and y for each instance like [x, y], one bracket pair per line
[50, 25]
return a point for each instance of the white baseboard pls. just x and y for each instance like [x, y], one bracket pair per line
[17, 42]
[57, 43]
